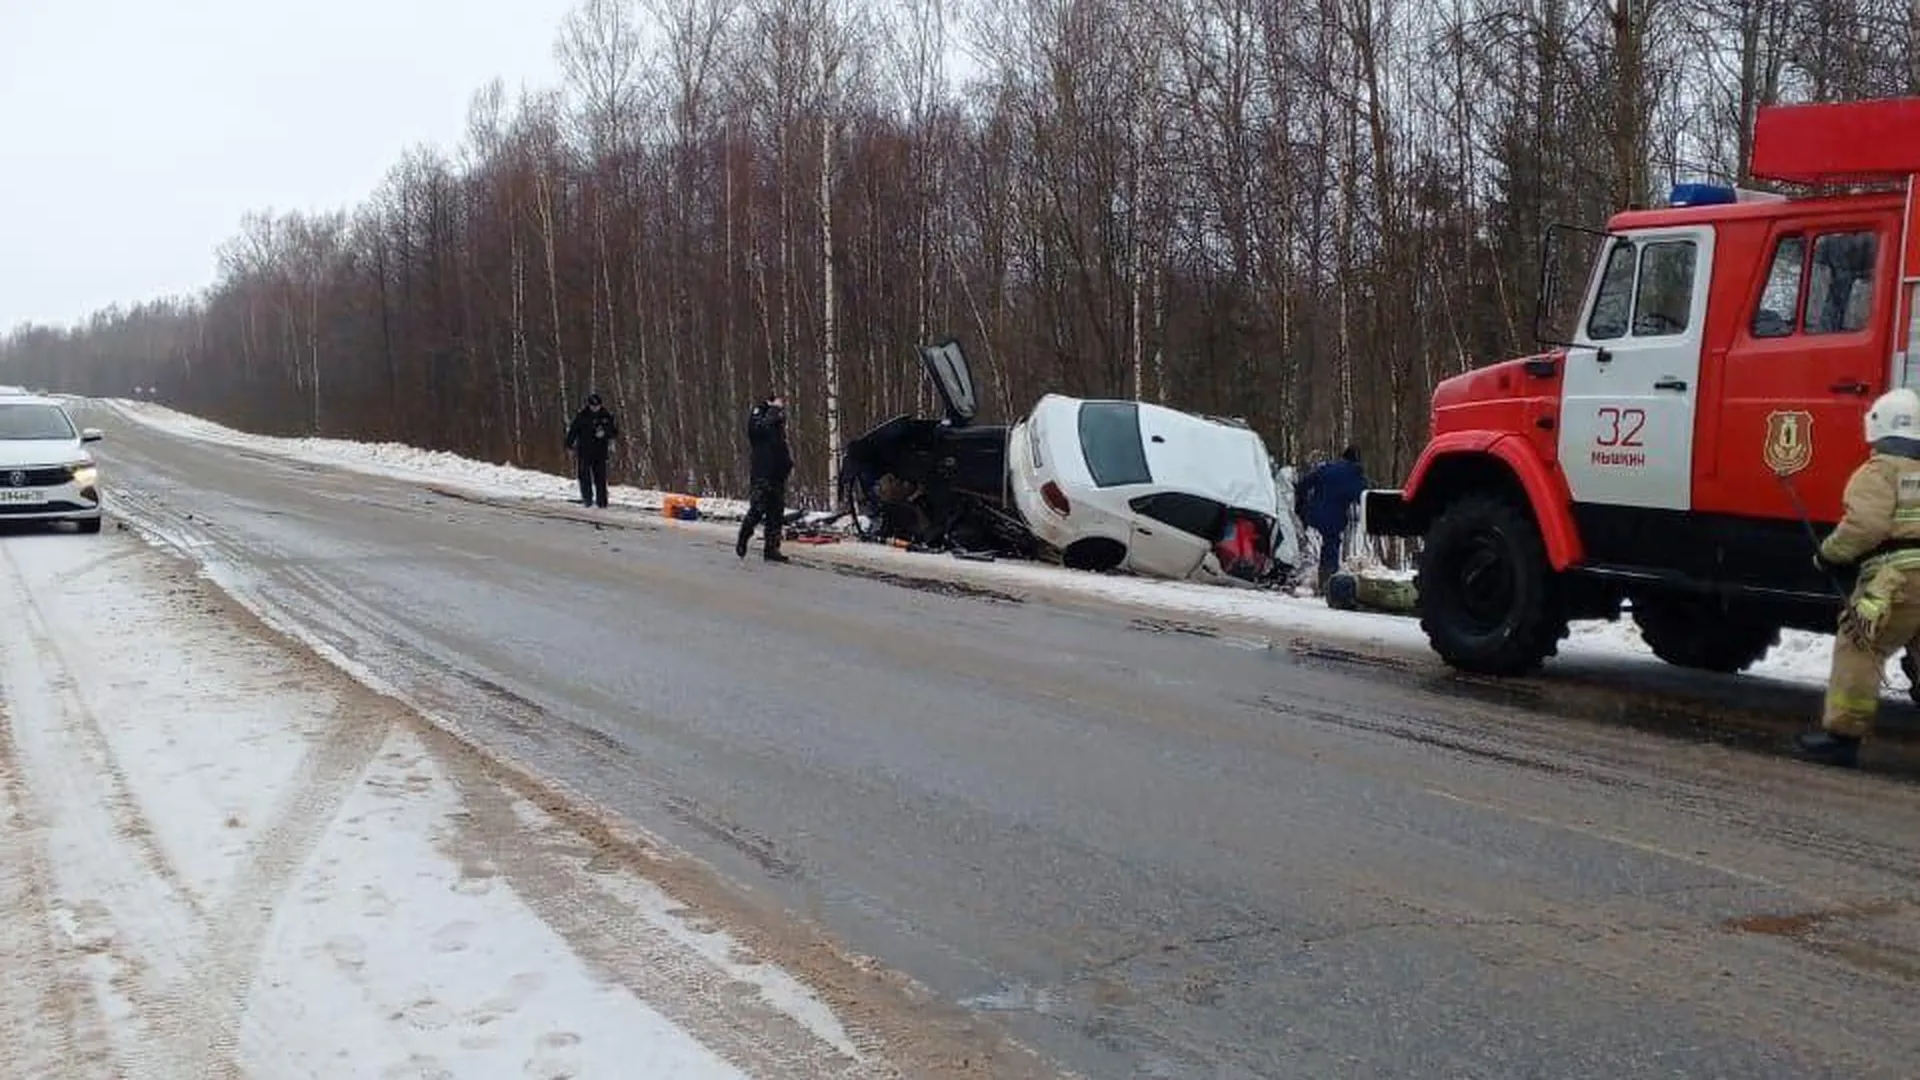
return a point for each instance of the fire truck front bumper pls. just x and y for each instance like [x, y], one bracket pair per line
[1384, 512]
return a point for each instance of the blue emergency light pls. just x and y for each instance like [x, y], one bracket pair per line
[1702, 195]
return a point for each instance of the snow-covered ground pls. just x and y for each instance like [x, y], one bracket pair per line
[223, 857]
[1799, 657]
[401, 462]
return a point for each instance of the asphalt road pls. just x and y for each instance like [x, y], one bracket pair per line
[1146, 854]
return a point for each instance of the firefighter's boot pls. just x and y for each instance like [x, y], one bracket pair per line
[1826, 748]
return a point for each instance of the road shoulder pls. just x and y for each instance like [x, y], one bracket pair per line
[227, 858]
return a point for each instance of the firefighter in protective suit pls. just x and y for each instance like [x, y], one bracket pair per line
[1880, 533]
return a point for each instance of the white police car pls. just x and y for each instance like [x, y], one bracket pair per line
[46, 473]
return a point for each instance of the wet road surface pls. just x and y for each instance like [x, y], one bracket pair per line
[1146, 854]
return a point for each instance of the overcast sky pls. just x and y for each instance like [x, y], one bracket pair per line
[135, 133]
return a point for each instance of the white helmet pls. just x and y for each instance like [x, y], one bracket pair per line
[1896, 414]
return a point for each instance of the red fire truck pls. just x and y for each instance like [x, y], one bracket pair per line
[1680, 454]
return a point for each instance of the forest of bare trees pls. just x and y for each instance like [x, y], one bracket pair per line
[1303, 212]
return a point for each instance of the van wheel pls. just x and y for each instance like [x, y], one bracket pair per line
[1693, 634]
[1489, 602]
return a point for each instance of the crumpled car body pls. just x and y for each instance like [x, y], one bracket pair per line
[1094, 484]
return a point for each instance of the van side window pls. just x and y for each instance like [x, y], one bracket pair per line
[1780, 300]
[1611, 304]
[1840, 285]
[1663, 306]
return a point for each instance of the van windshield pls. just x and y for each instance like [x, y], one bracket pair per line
[19, 422]
[1110, 439]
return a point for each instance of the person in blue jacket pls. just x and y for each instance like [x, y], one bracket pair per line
[1326, 499]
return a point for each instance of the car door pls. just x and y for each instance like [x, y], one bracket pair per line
[1172, 532]
[1802, 369]
[1627, 416]
[952, 378]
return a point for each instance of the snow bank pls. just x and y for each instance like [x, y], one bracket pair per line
[223, 857]
[402, 462]
[1799, 657]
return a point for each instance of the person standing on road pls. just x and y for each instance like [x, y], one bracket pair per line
[1880, 533]
[771, 462]
[1326, 500]
[591, 438]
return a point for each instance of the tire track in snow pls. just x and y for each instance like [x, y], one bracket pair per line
[49, 1024]
[58, 684]
[201, 1012]
[889, 1016]
[237, 928]
[627, 947]
[727, 1015]
[112, 905]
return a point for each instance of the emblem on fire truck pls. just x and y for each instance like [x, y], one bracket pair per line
[1789, 441]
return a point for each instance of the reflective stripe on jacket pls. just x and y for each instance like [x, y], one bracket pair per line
[1881, 520]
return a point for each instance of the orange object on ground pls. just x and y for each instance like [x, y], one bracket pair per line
[672, 505]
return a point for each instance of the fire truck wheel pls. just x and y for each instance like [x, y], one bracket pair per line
[1489, 600]
[1690, 634]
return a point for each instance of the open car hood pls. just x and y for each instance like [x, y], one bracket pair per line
[952, 378]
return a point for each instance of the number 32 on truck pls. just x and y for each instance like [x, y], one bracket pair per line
[1673, 455]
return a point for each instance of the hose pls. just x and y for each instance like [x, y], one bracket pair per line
[1813, 539]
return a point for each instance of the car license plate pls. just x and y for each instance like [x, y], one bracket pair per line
[18, 496]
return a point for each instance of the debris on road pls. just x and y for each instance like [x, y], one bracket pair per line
[680, 507]
[1801, 658]
[1360, 590]
[225, 858]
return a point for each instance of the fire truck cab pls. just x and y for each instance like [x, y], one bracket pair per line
[1681, 453]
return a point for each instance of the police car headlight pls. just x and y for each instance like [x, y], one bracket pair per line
[85, 475]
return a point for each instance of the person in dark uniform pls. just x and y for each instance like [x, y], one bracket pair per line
[1326, 500]
[771, 463]
[591, 438]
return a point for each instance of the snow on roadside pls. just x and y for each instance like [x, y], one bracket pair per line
[361, 948]
[402, 462]
[1800, 657]
[224, 857]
